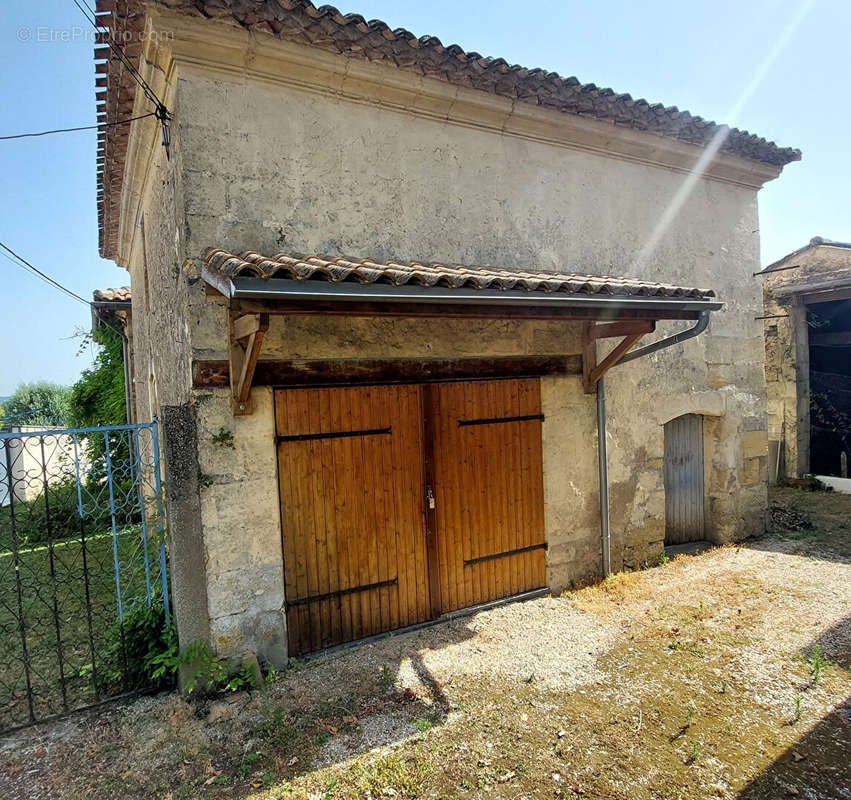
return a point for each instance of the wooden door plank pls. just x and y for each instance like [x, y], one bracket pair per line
[515, 511]
[299, 523]
[432, 420]
[361, 561]
[309, 541]
[300, 628]
[416, 478]
[342, 519]
[286, 503]
[403, 538]
[319, 540]
[536, 487]
[328, 483]
[375, 479]
[495, 490]
[413, 461]
[387, 517]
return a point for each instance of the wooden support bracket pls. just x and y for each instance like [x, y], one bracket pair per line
[630, 329]
[246, 338]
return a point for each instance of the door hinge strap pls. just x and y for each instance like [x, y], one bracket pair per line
[470, 562]
[303, 601]
[493, 420]
[305, 437]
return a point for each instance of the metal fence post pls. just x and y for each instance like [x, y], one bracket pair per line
[16, 563]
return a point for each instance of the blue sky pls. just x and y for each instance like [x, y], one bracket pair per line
[697, 56]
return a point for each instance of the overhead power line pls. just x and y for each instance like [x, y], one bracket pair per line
[21, 262]
[25, 265]
[82, 128]
[161, 112]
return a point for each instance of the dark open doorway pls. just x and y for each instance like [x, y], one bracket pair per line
[830, 386]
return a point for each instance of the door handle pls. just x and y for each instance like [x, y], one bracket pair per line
[430, 497]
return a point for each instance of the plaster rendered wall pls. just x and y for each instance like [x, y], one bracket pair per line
[787, 367]
[286, 171]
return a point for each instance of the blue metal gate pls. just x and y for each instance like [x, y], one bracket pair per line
[82, 557]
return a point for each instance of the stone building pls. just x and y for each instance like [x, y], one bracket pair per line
[807, 317]
[379, 435]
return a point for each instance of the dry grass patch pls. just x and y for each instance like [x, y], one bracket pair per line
[720, 675]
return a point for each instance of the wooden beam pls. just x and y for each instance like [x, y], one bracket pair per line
[826, 297]
[345, 372]
[246, 339]
[612, 358]
[631, 331]
[248, 324]
[624, 327]
[589, 356]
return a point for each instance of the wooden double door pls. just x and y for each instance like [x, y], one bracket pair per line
[401, 503]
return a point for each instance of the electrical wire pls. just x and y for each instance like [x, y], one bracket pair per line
[83, 128]
[91, 17]
[25, 265]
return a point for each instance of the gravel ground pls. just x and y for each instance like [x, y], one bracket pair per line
[690, 680]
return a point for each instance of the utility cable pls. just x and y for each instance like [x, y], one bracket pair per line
[82, 128]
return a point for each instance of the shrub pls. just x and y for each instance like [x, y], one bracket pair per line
[136, 650]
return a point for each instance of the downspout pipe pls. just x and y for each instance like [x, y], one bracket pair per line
[603, 469]
[602, 454]
[125, 352]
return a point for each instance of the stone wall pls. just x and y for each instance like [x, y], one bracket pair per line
[264, 166]
[154, 255]
[787, 359]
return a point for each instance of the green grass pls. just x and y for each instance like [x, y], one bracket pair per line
[85, 602]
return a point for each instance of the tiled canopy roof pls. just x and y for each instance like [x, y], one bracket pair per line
[120, 294]
[453, 276]
[352, 35]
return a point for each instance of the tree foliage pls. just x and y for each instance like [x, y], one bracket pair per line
[97, 398]
[38, 403]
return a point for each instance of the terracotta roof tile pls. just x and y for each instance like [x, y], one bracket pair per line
[453, 276]
[352, 35]
[117, 295]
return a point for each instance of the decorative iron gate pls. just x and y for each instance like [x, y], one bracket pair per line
[82, 553]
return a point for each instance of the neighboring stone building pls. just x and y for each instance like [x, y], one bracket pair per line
[807, 297]
[371, 438]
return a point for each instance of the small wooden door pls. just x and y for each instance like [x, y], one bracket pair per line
[351, 478]
[683, 477]
[488, 488]
[400, 503]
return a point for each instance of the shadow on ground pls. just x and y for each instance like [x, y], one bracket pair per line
[810, 523]
[818, 765]
[323, 711]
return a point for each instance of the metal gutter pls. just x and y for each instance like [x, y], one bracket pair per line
[602, 450]
[699, 327]
[243, 288]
